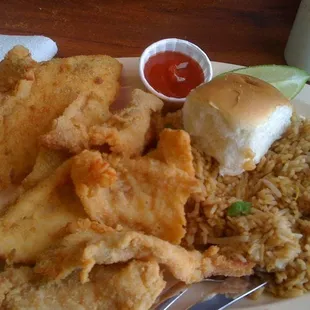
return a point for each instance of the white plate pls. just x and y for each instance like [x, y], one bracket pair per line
[302, 105]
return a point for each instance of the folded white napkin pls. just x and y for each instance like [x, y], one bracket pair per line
[41, 48]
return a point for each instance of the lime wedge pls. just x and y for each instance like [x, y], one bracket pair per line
[288, 80]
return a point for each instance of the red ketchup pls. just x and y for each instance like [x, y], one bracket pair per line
[173, 74]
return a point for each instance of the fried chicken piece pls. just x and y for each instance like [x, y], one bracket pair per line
[122, 246]
[41, 97]
[143, 194]
[70, 130]
[126, 131]
[32, 224]
[133, 286]
[46, 162]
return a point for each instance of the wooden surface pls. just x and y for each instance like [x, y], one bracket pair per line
[246, 32]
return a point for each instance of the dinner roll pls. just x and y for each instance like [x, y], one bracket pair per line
[235, 118]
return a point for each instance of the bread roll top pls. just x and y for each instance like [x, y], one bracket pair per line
[241, 99]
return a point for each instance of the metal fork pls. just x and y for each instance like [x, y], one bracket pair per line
[212, 300]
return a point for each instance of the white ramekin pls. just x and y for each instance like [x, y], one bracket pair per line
[175, 45]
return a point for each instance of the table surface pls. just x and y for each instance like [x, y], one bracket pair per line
[243, 32]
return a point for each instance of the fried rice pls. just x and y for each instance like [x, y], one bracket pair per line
[276, 235]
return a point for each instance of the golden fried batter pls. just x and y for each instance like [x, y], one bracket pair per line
[70, 130]
[46, 163]
[143, 194]
[174, 150]
[111, 247]
[39, 97]
[133, 286]
[87, 123]
[126, 131]
[32, 224]
[15, 67]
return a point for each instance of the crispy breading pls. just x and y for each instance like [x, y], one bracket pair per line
[125, 132]
[32, 224]
[87, 123]
[134, 286]
[14, 277]
[46, 162]
[70, 130]
[121, 246]
[143, 194]
[8, 197]
[75, 234]
[174, 151]
[41, 97]
[17, 65]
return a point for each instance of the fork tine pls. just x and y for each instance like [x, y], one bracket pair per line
[221, 301]
[243, 295]
[169, 302]
[218, 302]
[176, 292]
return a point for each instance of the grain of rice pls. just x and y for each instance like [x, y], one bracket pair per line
[272, 187]
[276, 235]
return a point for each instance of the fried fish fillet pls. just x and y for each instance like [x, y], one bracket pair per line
[70, 130]
[126, 131]
[133, 286]
[42, 96]
[46, 162]
[143, 194]
[16, 66]
[86, 123]
[111, 247]
[32, 224]
[174, 149]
